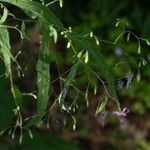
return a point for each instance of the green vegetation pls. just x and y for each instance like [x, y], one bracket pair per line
[63, 63]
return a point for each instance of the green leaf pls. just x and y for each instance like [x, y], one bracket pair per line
[47, 18]
[7, 56]
[5, 49]
[23, 27]
[68, 82]
[40, 10]
[43, 76]
[96, 58]
[4, 17]
[17, 95]
[71, 75]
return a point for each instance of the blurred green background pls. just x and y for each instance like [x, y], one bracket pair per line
[100, 17]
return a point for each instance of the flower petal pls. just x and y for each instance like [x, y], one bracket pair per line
[125, 110]
[104, 114]
[117, 113]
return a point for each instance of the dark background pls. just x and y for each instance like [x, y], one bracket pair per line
[100, 17]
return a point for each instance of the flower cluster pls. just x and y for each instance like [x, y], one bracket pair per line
[119, 114]
[128, 77]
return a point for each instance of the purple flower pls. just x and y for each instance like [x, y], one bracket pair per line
[148, 57]
[129, 77]
[123, 113]
[118, 52]
[61, 98]
[121, 116]
[103, 114]
[120, 84]
[63, 93]
[102, 117]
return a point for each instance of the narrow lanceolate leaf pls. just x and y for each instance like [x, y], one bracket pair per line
[96, 58]
[5, 50]
[43, 75]
[23, 27]
[38, 9]
[17, 95]
[4, 16]
[47, 18]
[5, 44]
[8, 57]
[71, 75]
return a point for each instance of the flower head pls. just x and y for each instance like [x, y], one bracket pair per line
[121, 116]
[122, 113]
[120, 84]
[104, 114]
[118, 52]
[129, 78]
